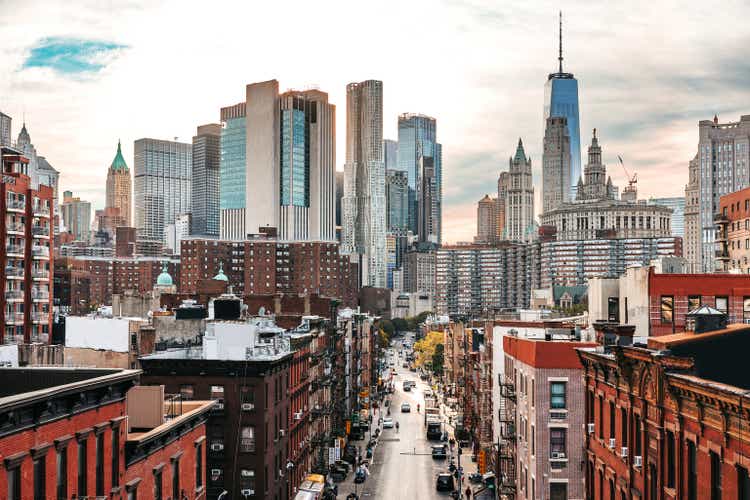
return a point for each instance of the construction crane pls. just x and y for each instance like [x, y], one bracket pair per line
[629, 192]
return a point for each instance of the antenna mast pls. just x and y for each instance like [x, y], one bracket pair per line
[560, 57]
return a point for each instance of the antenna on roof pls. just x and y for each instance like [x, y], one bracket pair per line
[560, 57]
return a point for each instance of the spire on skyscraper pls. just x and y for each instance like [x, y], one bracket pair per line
[119, 162]
[560, 57]
[520, 153]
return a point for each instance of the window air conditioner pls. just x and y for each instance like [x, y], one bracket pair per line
[247, 406]
[638, 461]
[624, 452]
[612, 443]
[590, 428]
[217, 447]
[247, 493]
[215, 472]
[281, 432]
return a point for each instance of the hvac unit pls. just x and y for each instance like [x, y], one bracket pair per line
[217, 447]
[612, 443]
[638, 461]
[590, 428]
[247, 406]
[624, 452]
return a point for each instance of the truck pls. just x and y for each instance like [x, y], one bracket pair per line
[434, 429]
[312, 488]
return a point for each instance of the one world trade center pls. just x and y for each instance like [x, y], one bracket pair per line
[561, 99]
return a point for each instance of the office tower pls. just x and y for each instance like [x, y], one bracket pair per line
[556, 164]
[503, 181]
[486, 220]
[390, 154]
[26, 263]
[119, 191]
[561, 100]
[5, 129]
[162, 186]
[677, 204]
[420, 156]
[283, 181]
[396, 197]
[339, 195]
[419, 269]
[39, 170]
[692, 237]
[206, 159]
[724, 152]
[76, 214]
[364, 181]
[595, 185]
[232, 172]
[519, 205]
[178, 230]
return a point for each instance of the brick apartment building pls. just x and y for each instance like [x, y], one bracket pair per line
[267, 266]
[733, 232]
[72, 287]
[71, 432]
[669, 420]
[26, 258]
[542, 417]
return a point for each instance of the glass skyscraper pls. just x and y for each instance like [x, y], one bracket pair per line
[232, 172]
[295, 158]
[418, 151]
[561, 99]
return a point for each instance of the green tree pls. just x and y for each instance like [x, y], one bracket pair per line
[384, 339]
[438, 360]
[387, 326]
[400, 324]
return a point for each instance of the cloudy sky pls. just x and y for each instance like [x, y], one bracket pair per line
[87, 73]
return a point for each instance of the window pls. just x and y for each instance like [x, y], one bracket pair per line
[612, 420]
[613, 309]
[533, 440]
[158, 494]
[715, 476]
[557, 395]
[199, 465]
[670, 459]
[115, 457]
[692, 486]
[133, 493]
[176, 478]
[558, 491]
[186, 391]
[40, 483]
[746, 310]
[722, 304]
[217, 392]
[601, 417]
[624, 427]
[14, 483]
[82, 468]
[694, 302]
[611, 489]
[247, 439]
[667, 308]
[247, 479]
[62, 474]
[557, 446]
[100, 465]
[743, 484]
[637, 434]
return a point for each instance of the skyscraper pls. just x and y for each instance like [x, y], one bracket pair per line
[556, 164]
[502, 195]
[206, 159]
[692, 236]
[486, 220]
[162, 185]
[5, 129]
[390, 154]
[561, 100]
[364, 181]
[119, 190]
[421, 157]
[519, 204]
[724, 151]
[396, 197]
[39, 169]
[677, 204]
[76, 214]
[284, 178]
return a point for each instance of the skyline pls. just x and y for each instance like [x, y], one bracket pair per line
[83, 81]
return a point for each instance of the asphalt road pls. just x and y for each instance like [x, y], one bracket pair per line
[402, 466]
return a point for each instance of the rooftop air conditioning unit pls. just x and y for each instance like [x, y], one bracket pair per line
[247, 406]
[624, 452]
[590, 428]
[612, 443]
[638, 461]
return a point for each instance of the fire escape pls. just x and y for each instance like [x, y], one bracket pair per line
[507, 445]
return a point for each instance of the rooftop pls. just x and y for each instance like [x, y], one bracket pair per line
[665, 342]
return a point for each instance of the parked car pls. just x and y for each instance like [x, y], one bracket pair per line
[440, 451]
[445, 482]
[388, 423]
[405, 408]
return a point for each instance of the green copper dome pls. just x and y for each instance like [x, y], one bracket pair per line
[221, 276]
[520, 153]
[119, 162]
[164, 278]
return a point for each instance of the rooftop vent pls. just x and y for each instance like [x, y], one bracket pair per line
[706, 319]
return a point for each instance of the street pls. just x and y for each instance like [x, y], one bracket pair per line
[402, 466]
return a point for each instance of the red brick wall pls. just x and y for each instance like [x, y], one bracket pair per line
[144, 469]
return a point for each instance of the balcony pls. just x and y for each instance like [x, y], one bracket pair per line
[40, 295]
[14, 318]
[14, 250]
[721, 219]
[42, 211]
[39, 317]
[39, 251]
[14, 272]
[41, 231]
[13, 295]
[14, 227]
[40, 338]
[40, 274]
[16, 205]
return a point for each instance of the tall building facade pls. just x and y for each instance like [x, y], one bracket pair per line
[486, 220]
[76, 214]
[503, 182]
[561, 100]
[364, 223]
[519, 204]
[390, 154]
[163, 185]
[421, 157]
[119, 191]
[284, 178]
[5, 129]
[692, 237]
[39, 169]
[397, 200]
[677, 204]
[205, 185]
[556, 163]
[724, 156]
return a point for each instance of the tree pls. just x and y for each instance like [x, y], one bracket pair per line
[400, 324]
[387, 326]
[438, 359]
[424, 348]
[383, 339]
